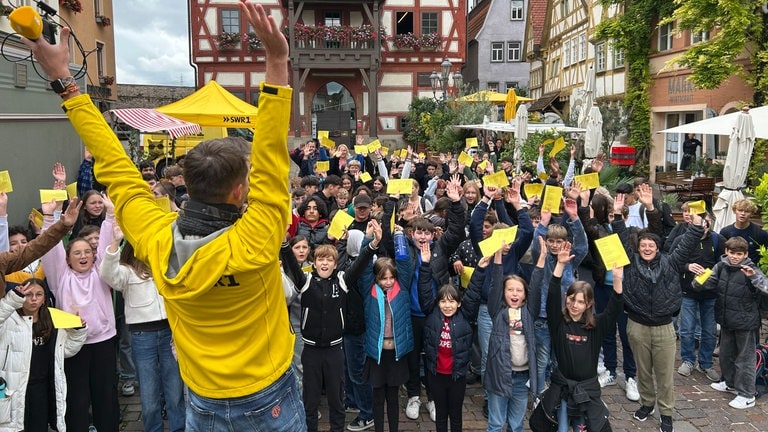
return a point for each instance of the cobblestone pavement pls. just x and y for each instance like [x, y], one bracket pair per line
[697, 406]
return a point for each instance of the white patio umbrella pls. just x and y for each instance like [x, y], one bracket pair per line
[521, 134]
[740, 149]
[594, 135]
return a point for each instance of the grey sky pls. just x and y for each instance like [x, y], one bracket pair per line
[152, 42]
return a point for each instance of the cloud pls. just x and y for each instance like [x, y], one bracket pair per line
[152, 42]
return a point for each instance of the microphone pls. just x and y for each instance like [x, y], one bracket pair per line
[27, 22]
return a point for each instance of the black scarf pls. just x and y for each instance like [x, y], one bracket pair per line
[199, 219]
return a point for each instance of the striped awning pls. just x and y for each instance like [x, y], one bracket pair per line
[150, 120]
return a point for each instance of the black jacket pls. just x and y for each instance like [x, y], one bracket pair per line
[461, 329]
[707, 253]
[736, 307]
[582, 397]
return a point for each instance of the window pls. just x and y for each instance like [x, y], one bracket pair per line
[255, 98]
[97, 7]
[516, 13]
[404, 22]
[100, 59]
[665, 37]
[429, 23]
[514, 51]
[403, 123]
[563, 8]
[600, 57]
[583, 46]
[422, 79]
[497, 52]
[618, 58]
[697, 37]
[566, 53]
[493, 86]
[555, 71]
[230, 20]
[511, 85]
[574, 50]
[332, 18]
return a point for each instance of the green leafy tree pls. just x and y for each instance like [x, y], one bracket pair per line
[432, 122]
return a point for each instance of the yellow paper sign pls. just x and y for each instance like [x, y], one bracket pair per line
[322, 134]
[559, 145]
[46, 195]
[611, 251]
[373, 146]
[164, 203]
[497, 179]
[702, 278]
[400, 186]
[588, 181]
[551, 200]
[361, 149]
[508, 235]
[697, 207]
[464, 159]
[5, 182]
[466, 275]
[471, 142]
[365, 177]
[307, 268]
[72, 190]
[339, 222]
[499, 237]
[322, 166]
[403, 153]
[37, 217]
[64, 320]
[384, 151]
[482, 165]
[327, 143]
[422, 155]
[533, 189]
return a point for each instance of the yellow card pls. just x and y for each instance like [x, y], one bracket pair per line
[533, 189]
[400, 186]
[403, 153]
[384, 151]
[471, 142]
[497, 179]
[365, 177]
[551, 200]
[37, 216]
[72, 190]
[339, 222]
[702, 278]
[64, 320]
[164, 203]
[422, 155]
[588, 181]
[490, 245]
[464, 159]
[323, 166]
[361, 150]
[328, 143]
[611, 251]
[307, 268]
[5, 182]
[466, 275]
[322, 134]
[482, 165]
[698, 207]
[46, 195]
[507, 235]
[373, 146]
[559, 145]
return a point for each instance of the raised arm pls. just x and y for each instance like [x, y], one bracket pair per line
[496, 290]
[426, 292]
[554, 295]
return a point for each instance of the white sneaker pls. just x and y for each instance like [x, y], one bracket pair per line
[601, 367]
[631, 389]
[606, 379]
[723, 387]
[431, 409]
[740, 402]
[412, 409]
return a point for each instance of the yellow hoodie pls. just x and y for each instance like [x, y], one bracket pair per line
[223, 293]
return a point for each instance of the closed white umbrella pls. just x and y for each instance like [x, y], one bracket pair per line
[594, 134]
[521, 133]
[740, 148]
[587, 97]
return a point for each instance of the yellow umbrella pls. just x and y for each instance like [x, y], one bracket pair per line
[491, 96]
[510, 107]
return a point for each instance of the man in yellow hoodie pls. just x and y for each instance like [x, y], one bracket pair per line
[215, 265]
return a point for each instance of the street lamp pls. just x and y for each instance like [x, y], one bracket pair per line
[441, 81]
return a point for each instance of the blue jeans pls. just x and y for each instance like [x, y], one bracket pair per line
[359, 391]
[484, 326]
[543, 350]
[503, 410]
[159, 380]
[705, 311]
[563, 423]
[275, 408]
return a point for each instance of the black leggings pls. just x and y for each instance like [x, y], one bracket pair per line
[380, 394]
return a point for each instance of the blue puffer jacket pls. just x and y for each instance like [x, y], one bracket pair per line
[373, 305]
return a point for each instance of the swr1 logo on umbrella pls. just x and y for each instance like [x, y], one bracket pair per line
[243, 119]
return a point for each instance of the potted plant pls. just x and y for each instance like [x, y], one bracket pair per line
[254, 43]
[431, 41]
[306, 35]
[73, 5]
[102, 20]
[106, 80]
[228, 40]
[406, 40]
[361, 36]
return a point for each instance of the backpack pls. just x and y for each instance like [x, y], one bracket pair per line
[761, 372]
